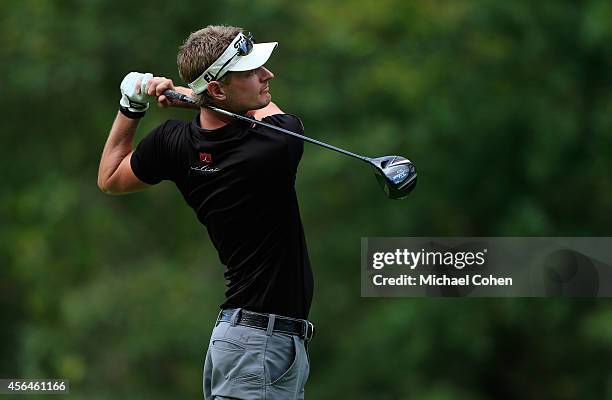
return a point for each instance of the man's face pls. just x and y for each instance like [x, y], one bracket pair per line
[247, 90]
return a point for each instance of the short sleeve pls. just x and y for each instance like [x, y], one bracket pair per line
[154, 159]
[295, 145]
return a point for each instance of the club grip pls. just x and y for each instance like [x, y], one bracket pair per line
[179, 96]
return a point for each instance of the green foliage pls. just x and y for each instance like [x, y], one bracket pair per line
[505, 108]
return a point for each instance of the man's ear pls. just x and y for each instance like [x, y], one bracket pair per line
[215, 90]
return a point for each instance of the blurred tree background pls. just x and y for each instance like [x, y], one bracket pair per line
[505, 108]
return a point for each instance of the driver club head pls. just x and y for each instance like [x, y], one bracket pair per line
[395, 174]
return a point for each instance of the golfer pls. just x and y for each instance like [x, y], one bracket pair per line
[239, 179]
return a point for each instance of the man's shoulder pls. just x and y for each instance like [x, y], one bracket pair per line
[287, 121]
[171, 134]
[172, 124]
[172, 127]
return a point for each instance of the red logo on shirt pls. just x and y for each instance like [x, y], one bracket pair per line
[205, 158]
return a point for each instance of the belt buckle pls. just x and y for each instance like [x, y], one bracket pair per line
[308, 330]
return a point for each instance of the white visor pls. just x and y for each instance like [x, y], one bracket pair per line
[231, 60]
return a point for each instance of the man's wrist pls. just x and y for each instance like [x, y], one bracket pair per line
[131, 114]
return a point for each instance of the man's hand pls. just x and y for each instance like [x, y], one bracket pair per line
[136, 87]
[158, 85]
[134, 92]
[156, 88]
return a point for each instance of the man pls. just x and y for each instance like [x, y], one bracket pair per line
[239, 179]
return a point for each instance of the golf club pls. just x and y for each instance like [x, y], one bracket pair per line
[395, 174]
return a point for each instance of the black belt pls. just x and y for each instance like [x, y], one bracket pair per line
[292, 326]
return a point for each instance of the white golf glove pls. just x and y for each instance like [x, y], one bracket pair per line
[132, 101]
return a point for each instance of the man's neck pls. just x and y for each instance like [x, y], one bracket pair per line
[211, 120]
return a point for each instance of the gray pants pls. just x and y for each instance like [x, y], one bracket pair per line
[249, 363]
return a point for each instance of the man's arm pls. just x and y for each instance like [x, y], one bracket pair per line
[115, 175]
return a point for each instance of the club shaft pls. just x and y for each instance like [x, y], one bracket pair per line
[178, 96]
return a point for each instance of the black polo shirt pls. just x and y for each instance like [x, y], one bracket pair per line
[240, 181]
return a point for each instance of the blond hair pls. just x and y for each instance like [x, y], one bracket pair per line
[200, 50]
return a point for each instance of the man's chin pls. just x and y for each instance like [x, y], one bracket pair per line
[264, 103]
[268, 99]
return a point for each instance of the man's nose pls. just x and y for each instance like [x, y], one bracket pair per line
[266, 74]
